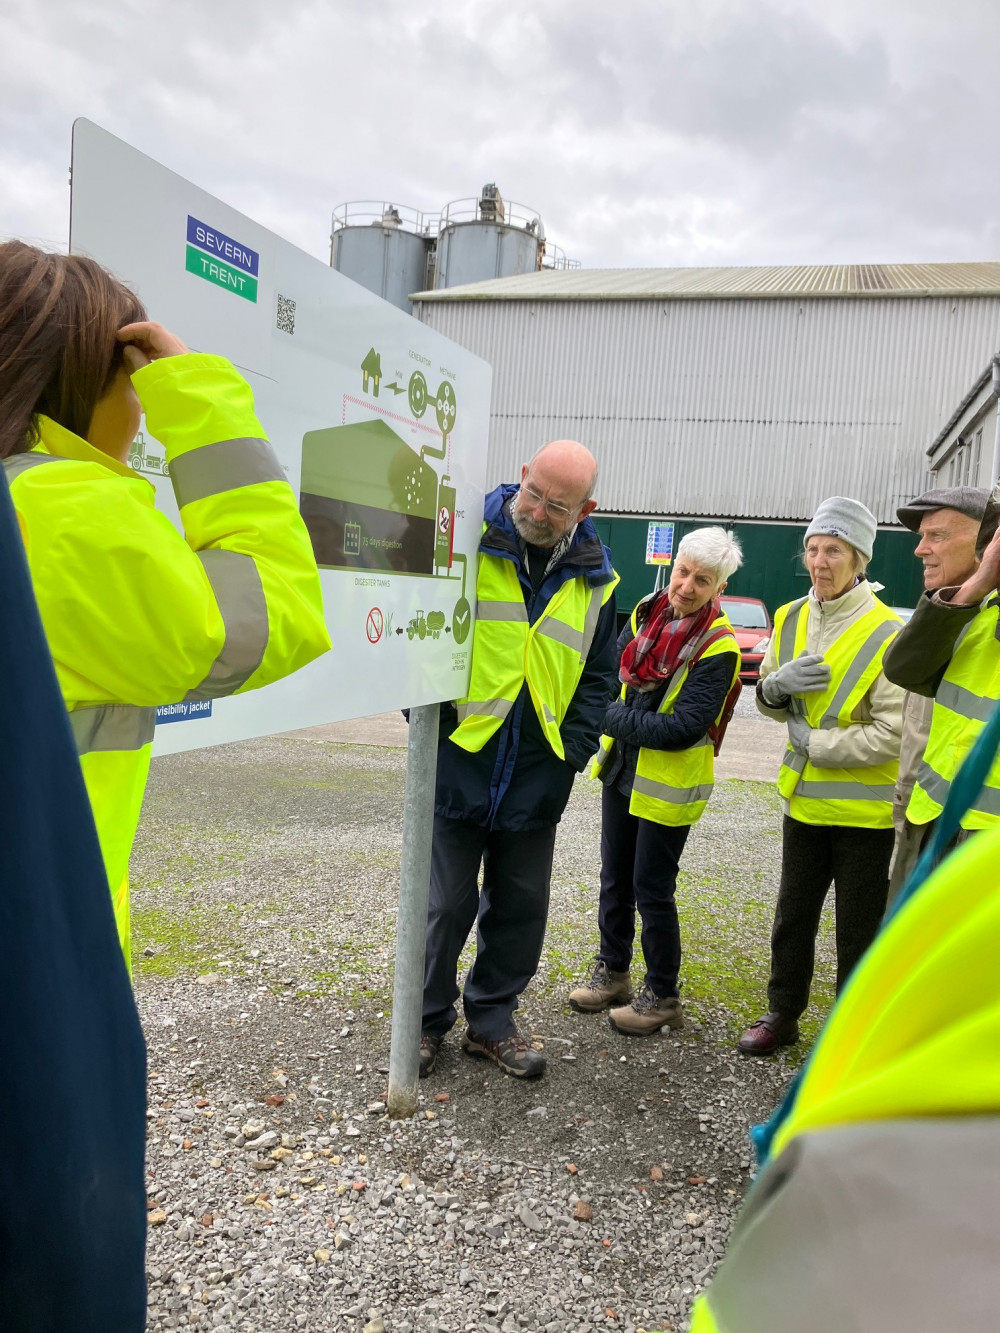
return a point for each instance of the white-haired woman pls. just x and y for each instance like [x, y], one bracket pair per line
[822, 676]
[679, 663]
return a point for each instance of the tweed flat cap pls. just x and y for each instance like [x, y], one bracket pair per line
[970, 500]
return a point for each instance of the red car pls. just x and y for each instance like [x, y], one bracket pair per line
[752, 626]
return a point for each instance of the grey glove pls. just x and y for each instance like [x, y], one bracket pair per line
[806, 674]
[798, 734]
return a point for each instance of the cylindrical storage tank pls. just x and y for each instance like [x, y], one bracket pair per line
[478, 251]
[389, 261]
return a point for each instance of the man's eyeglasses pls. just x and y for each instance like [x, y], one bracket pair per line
[559, 512]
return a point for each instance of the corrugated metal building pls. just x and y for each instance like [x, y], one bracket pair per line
[742, 395]
[966, 451]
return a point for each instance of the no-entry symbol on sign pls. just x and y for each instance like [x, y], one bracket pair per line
[444, 519]
[374, 626]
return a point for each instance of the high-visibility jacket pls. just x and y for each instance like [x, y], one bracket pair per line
[673, 786]
[877, 1209]
[967, 695]
[137, 614]
[549, 655]
[859, 797]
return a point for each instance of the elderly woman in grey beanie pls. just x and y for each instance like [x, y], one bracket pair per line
[822, 677]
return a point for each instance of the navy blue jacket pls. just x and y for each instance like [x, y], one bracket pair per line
[516, 782]
[73, 1109]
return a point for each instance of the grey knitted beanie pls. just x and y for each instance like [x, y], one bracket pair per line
[847, 519]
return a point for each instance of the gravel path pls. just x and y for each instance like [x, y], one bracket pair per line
[281, 1196]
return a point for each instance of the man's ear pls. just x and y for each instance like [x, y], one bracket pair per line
[524, 472]
[586, 508]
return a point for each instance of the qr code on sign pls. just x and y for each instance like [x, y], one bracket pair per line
[286, 314]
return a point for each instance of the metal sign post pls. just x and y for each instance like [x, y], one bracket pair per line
[411, 921]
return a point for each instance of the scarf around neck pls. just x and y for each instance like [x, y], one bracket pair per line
[663, 642]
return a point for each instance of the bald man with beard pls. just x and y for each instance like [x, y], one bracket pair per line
[543, 666]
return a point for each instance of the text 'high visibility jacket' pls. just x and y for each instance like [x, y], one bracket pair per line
[877, 1209]
[137, 614]
[965, 699]
[858, 797]
[673, 786]
[506, 652]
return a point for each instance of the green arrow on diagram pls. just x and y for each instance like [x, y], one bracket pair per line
[396, 388]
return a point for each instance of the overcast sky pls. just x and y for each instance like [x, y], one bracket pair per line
[645, 132]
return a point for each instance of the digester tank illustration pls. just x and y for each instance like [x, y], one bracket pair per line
[370, 502]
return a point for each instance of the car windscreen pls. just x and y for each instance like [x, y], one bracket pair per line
[745, 615]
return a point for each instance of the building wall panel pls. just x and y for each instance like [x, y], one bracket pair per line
[734, 408]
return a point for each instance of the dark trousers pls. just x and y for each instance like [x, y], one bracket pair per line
[639, 870]
[509, 914]
[856, 861]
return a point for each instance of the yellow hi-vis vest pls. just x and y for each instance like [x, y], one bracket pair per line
[910, 1049]
[967, 695]
[857, 797]
[138, 614]
[506, 651]
[673, 786]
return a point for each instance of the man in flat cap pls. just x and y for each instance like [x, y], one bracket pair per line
[948, 522]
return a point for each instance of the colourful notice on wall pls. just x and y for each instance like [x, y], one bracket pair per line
[659, 543]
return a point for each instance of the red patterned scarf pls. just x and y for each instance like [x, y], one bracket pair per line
[662, 642]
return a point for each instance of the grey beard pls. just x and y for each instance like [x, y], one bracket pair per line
[538, 534]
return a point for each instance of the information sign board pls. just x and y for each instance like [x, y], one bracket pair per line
[380, 423]
[659, 543]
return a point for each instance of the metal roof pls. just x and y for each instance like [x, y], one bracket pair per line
[671, 284]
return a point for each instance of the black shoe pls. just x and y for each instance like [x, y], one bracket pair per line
[429, 1049]
[513, 1054]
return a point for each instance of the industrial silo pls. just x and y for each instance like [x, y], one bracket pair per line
[485, 238]
[383, 247]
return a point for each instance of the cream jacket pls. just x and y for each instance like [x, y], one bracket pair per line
[875, 736]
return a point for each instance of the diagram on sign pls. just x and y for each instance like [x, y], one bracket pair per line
[371, 501]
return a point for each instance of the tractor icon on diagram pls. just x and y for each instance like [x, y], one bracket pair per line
[420, 625]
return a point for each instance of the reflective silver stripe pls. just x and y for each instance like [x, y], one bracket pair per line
[484, 708]
[934, 785]
[795, 761]
[843, 791]
[964, 702]
[223, 467]
[660, 791]
[786, 641]
[562, 633]
[240, 595]
[112, 727]
[590, 620]
[19, 463]
[866, 655]
[490, 610]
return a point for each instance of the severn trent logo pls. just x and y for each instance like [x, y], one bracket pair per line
[219, 259]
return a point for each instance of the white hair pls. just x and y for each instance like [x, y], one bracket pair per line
[714, 549]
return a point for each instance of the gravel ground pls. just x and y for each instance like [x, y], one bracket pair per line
[282, 1197]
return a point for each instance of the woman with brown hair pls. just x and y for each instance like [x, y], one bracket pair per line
[136, 613]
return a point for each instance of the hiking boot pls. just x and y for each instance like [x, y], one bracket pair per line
[513, 1054]
[604, 989]
[647, 1013]
[429, 1049]
[767, 1034]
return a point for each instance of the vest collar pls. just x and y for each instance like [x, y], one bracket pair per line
[56, 439]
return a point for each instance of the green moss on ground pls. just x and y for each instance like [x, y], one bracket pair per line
[183, 939]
